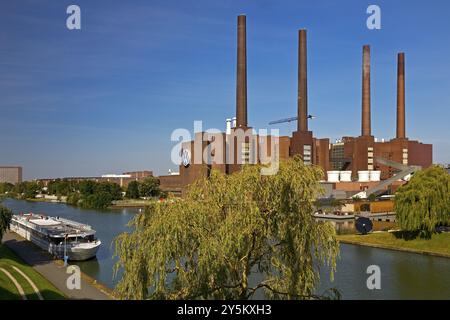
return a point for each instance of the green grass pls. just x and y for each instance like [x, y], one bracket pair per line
[8, 290]
[132, 203]
[438, 244]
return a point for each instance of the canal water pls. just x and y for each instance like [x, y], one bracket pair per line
[403, 275]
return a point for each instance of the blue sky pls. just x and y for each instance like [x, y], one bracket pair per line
[106, 98]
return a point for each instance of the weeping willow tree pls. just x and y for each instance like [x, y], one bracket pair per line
[211, 243]
[5, 219]
[424, 202]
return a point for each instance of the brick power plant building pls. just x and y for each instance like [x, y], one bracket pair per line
[359, 154]
[346, 161]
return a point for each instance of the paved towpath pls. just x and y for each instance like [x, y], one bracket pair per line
[53, 271]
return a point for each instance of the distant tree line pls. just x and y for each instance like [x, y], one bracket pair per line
[26, 189]
[85, 193]
[91, 194]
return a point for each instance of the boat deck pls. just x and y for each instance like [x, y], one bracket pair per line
[54, 226]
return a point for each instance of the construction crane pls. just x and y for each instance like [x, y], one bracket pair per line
[289, 120]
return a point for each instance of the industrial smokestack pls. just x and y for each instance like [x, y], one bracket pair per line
[365, 128]
[302, 93]
[401, 96]
[241, 84]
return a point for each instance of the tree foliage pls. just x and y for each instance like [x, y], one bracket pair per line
[96, 195]
[61, 187]
[86, 187]
[74, 199]
[5, 219]
[149, 187]
[231, 236]
[6, 187]
[424, 202]
[27, 189]
[112, 189]
[98, 200]
[133, 190]
[86, 193]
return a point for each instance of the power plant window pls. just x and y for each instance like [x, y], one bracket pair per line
[307, 154]
[245, 147]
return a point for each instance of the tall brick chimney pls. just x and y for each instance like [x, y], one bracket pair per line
[302, 93]
[401, 96]
[365, 128]
[241, 83]
[302, 141]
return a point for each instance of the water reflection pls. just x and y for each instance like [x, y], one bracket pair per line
[90, 267]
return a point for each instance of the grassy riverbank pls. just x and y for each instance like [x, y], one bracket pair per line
[8, 290]
[439, 244]
[130, 203]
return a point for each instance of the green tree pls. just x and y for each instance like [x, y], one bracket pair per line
[133, 190]
[113, 189]
[424, 202]
[5, 219]
[19, 188]
[74, 198]
[27, 189]
[227, 228]
[163, 195]
[31, 189]
[90, 194]
[149, 187]
[61, 187]
[6, 187]
[86, 187]
[116, 192]
[100, 200]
